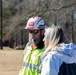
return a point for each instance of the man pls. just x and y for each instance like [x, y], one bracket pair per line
[35, 46]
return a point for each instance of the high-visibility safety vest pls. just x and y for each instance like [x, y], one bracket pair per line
[31, 62]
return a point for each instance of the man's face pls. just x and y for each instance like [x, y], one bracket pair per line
[35, 35]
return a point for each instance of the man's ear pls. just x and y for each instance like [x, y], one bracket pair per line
[43, 31]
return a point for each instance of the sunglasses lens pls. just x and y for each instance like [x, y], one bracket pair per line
[34, 31]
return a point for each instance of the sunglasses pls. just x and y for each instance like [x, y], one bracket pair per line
[34, 31]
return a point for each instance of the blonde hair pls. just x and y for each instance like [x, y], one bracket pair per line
[53, 36]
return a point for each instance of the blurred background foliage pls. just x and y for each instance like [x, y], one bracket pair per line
[15, 14]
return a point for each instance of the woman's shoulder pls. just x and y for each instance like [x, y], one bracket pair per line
[51, 57]
[52, 61]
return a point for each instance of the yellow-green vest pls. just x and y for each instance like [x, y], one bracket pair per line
[31, 62]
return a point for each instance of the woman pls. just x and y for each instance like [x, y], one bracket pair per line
[59, 56]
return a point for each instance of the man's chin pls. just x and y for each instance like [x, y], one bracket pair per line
[36, 41]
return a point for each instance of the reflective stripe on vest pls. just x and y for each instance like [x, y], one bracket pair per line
[31, 66]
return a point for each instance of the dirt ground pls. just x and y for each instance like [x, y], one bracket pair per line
[10, 61]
